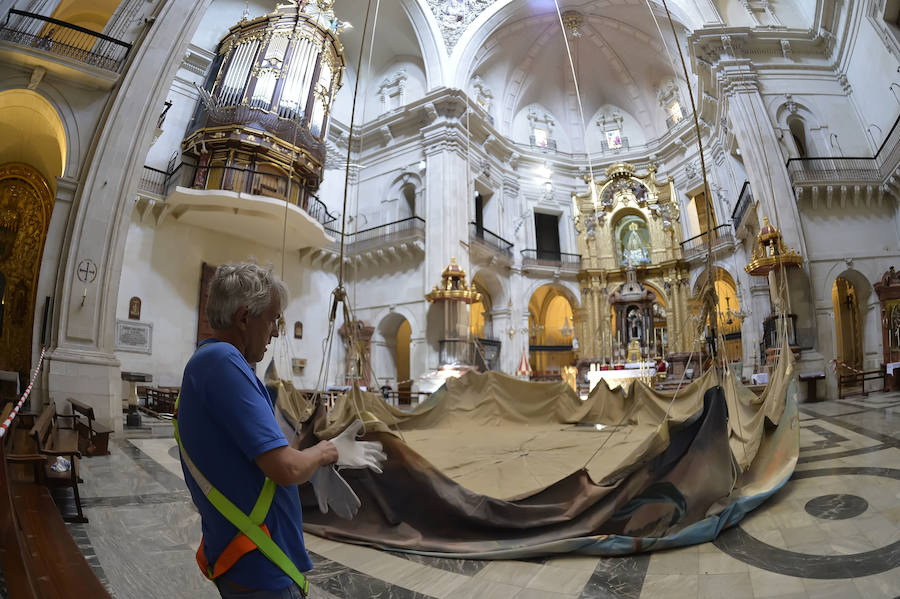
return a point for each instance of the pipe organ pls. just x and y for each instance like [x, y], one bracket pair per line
[261, 124]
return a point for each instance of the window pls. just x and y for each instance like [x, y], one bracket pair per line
[541, 137]
[614, 139]
[798, 134]
[546, 228]
[675, 112]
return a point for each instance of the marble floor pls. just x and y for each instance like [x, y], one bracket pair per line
[832, 531]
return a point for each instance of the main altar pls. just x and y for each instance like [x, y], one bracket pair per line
[634, 280]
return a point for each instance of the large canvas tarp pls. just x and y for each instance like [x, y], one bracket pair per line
[494, 467]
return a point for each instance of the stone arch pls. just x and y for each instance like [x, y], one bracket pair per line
[794, 118]
[392, 362]
[403, 198]
[865, 308]
[495, 285]
[431, 43]
[568, 288]
[34, 133]
[392, 317]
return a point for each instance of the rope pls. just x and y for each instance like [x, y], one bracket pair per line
[12, 415]
[577, 97]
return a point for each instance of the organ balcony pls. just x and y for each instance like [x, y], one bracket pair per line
[254, 152]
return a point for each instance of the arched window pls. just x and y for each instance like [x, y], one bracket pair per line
[798, 134]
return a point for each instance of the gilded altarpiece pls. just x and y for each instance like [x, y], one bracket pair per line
[629, 220]
[26, 204]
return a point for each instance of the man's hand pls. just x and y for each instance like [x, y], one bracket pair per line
[288, 466]
[328, 452]
[358, 454]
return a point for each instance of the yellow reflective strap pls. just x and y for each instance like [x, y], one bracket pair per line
[249, 525]
[263, 502]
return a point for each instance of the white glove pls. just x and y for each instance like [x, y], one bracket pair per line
[332, 490]
[358, 454]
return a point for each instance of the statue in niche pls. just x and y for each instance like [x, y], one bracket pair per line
[634, 251]
[634, 325]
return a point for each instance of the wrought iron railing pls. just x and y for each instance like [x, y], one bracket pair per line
[490, 239]
[854, 170]
[743, 204]
[393, 231]
[235, 179]
[405, 229]
[551, 259]
[153, 181]
[719, 237]
[64, 39]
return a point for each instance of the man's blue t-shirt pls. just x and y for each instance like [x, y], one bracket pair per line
[226, 419]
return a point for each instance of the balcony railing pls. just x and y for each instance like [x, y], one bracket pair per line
[393, 232]
[856, 170]
[490, 239]
[699, 244]
[153, 181]
[831, 170]
[743, 204]
[235, 179]
[550, 259]
[64, 39]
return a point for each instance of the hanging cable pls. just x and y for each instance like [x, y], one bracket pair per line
[577, 97]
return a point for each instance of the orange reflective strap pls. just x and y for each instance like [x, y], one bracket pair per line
[239, 546]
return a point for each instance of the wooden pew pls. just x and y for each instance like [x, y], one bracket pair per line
[38, 556]
[93, 438]
[53, 441]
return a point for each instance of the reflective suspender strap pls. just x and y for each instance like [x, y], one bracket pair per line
[251, 526]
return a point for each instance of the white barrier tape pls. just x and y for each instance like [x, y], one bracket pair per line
[15, 410]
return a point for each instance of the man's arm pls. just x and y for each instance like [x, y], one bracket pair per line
[287, 466]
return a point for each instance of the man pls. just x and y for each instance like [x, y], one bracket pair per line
[232, 447]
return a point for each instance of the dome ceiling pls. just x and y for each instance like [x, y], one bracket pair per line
[516, 48]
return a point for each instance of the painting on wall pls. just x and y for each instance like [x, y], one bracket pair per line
[134, 308]
[298, 330]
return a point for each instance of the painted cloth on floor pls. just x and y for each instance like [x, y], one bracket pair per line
[491, 466]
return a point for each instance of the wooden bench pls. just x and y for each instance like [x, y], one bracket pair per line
[161, 400]
[38, 556]
[53, 441]
[858, 379]
[93, 438]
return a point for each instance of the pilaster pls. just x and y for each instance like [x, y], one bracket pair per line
[82, 364]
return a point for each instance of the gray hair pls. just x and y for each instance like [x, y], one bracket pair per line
[242, 284]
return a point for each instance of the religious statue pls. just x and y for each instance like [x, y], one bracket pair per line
[633, 249]
[634, 325]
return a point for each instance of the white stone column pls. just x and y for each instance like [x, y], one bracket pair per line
[825, 342]
[447, 193]
[509, 206]
[758, 144]
[873, 354]
[82, 364]
[418, 357]
[502, 323]
[752, 327]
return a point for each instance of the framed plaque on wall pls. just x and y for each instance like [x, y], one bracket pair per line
[134, 336]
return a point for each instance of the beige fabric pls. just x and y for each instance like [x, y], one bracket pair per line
[502, 437]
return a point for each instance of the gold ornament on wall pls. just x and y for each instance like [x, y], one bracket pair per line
[26, 204]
